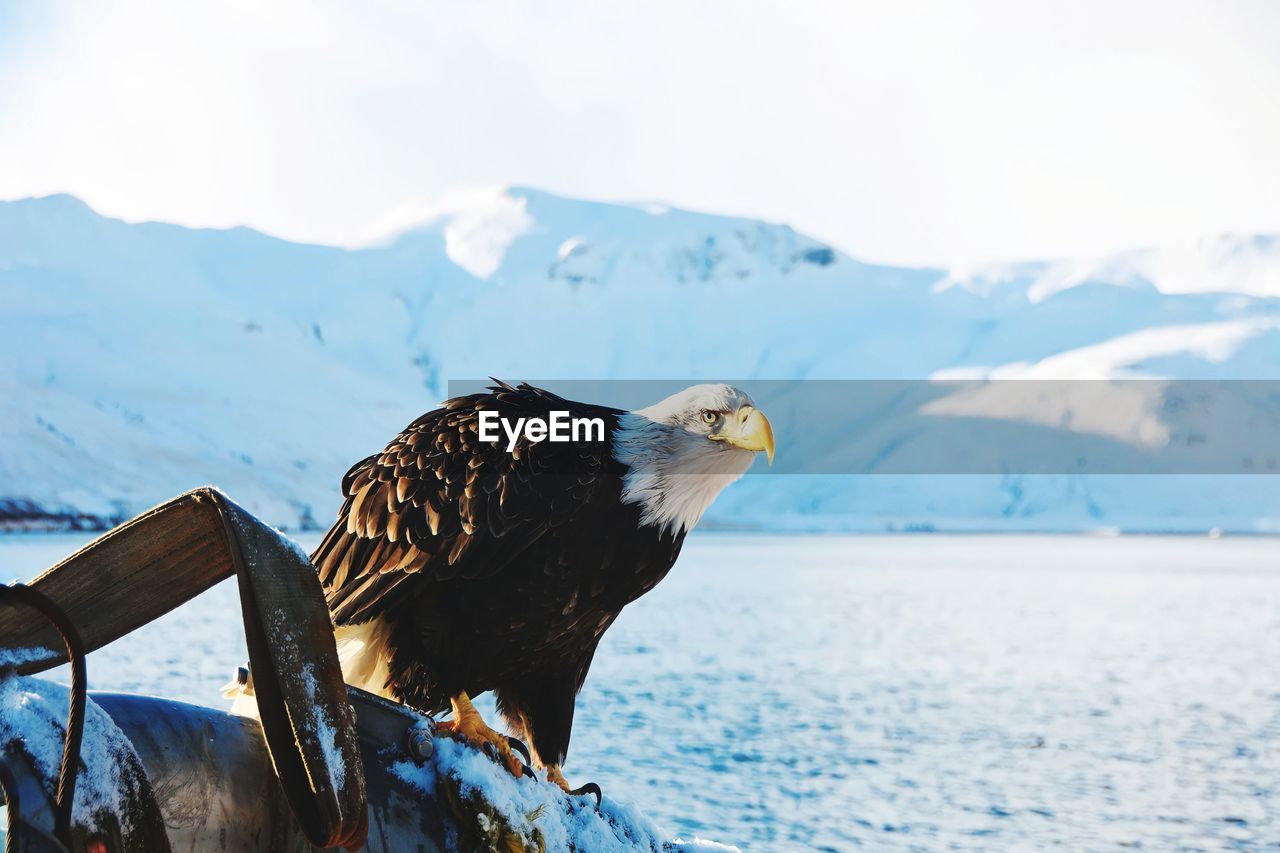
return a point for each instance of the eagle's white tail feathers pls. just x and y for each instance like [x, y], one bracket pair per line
[244, 700]
[362, 652]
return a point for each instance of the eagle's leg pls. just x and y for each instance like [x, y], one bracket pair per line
[468, 725]
[554, 775]
[541, 710]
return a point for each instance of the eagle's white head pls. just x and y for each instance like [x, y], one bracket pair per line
[682, 451]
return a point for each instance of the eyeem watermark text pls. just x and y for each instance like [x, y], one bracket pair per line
[558, 426]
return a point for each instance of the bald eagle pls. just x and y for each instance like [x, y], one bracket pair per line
[458, 566]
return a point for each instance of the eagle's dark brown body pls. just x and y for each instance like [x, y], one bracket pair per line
[492, 570]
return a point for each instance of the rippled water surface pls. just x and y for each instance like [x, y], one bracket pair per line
[833, 692]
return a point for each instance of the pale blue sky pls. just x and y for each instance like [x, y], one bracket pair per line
[905, 132]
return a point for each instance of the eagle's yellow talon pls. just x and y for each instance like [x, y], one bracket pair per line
[468, 725]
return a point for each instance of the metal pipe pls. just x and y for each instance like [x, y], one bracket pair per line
[216, 788]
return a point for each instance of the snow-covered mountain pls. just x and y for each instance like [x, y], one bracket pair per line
[142, 359]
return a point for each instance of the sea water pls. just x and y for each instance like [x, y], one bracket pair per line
[831, 692]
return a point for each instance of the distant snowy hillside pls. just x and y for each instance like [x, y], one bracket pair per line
[143, 359]
[1225, 264]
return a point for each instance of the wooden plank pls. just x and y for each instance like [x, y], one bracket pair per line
[124, 579]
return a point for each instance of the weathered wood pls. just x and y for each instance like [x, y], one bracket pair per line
[109, 587]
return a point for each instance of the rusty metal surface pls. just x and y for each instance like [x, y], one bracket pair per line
[217, 791]
[211, 774]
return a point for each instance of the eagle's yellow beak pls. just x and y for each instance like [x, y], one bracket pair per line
[749, 429]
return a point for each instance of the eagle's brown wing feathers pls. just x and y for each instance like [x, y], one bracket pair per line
[439, 501]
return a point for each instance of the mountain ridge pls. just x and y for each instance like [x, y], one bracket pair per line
[148, 358]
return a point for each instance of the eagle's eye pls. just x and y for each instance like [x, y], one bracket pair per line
[709, 417]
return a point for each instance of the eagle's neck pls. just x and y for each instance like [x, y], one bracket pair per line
[672, 474]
